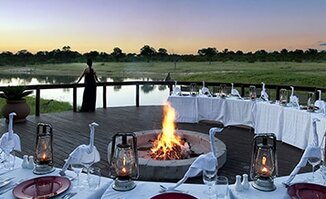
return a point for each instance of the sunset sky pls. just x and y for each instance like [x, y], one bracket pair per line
[180, 26]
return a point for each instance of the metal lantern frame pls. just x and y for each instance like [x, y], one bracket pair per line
[128, 142]
[265, 141]
[44, 132]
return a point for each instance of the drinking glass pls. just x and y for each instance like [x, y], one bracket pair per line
[88, 160]
[222, 187]
[223, 90]
[283, 97]
[314, 161]
[252, 92]
[77, 168]
[94, 178]
[9, 161]
[311, 102]
[209, 178]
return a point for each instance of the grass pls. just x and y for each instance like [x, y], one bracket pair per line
[290, 73]
[46, 106]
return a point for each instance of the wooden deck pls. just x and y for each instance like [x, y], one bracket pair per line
[71, 129]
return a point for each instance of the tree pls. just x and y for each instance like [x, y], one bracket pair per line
[162, 52]
[209, 53]
[117, 53]
[147, 52]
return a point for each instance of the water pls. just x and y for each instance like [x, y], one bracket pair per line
[116, 95]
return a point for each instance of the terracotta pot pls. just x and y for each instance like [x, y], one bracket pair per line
[20, 107]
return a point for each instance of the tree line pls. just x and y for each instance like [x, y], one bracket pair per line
[148, 53]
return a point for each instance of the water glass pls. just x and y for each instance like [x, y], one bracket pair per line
[9, 162]
[311, 102]
[94, 178]
[252, 92]
[283, 97]
[222, 187]
[77, 168]
[209, 178]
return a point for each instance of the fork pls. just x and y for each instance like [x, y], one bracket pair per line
[68, 195]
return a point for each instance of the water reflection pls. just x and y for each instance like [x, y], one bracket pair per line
[116, 95]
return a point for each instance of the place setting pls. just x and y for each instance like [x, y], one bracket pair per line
[36, 177]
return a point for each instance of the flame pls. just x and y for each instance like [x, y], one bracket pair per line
[264, 170]
[164, 147]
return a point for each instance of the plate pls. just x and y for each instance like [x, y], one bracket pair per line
[41, 187]
[173, 195]
[307, 191]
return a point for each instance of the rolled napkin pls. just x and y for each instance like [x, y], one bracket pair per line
[83, 153]
[263, 93]
[294, 100]
[206, 161]
[313, 150]
[176, 91]
[10, 141]
[235, 92]
[205, 91]
[320, 103]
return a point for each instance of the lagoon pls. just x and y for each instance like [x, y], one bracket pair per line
[116, 95]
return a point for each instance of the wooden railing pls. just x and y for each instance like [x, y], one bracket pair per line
[137, 84]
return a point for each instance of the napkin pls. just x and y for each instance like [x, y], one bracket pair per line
[294, 100]
[204, 91]
[206, 161]
[235, 92]
[83, 153]
[320, 103]
[176, 91]
[263, 93]
[10, 141]
[313, 150]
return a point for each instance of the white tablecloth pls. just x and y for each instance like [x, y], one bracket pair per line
[21, 174]
[290, 125]
[146, 190]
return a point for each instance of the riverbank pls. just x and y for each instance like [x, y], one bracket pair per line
[289, 73]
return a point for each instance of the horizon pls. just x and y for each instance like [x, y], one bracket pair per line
[181, 27]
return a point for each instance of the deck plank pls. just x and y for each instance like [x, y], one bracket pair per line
[71, 129]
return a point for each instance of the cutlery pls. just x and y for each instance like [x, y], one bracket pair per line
[170, 189]
[10, 187]
[68, 195]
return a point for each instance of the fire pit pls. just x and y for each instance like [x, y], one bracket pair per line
[152, 169]
[167, 154]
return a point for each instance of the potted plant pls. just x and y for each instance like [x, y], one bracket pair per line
[15, 102]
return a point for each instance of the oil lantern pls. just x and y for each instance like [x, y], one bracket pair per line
[264, 162]
[124, 161]
[43, 158]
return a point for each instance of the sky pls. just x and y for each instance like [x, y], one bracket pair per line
[180, 26]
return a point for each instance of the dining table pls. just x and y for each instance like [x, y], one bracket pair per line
[20, 175]
[290, 125]
[149, 189]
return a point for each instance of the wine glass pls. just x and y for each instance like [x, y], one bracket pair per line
[77, 168]
[88, 160]
[313, 161]
[209, 178]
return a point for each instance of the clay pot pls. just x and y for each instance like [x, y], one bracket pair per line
[20, 107]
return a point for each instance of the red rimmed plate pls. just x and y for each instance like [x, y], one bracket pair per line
[307, 191]
[42, 187]
[173, 195]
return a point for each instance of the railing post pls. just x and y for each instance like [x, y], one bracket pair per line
[104, 96]
[137, 95]
[242, 90]
[277, 92]
[37, 101]
[170, 88]
[74, 98]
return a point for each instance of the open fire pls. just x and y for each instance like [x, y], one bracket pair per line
[168, 145]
